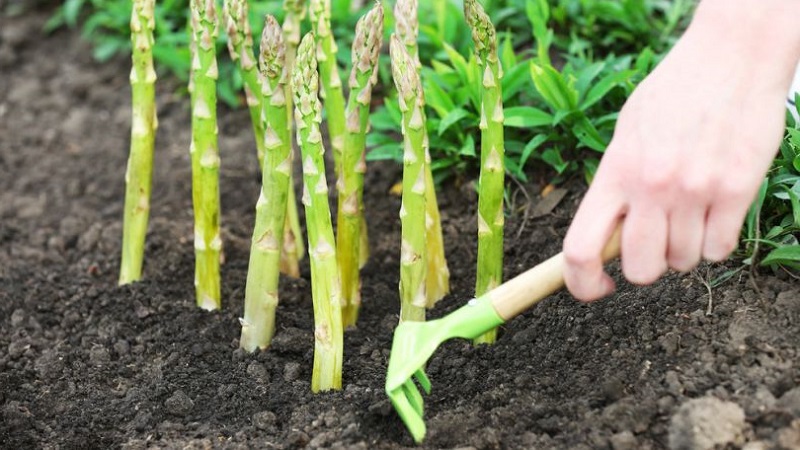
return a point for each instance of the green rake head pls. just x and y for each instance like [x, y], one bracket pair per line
[413, 345]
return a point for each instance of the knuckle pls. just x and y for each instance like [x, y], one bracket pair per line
[682, 264]
[721, 249]
[576, 257]
[697, 186]
[733, 188]
[642, 275]
[656, 182]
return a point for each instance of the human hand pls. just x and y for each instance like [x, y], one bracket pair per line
[690, 149]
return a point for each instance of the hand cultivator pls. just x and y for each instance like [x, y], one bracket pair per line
[415, 342]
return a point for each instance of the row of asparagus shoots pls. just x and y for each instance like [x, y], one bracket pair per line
[205, 154]
[240, 46]
[491, 183]
[437, 277]
[139, 172]
[325, 286]
[351, 225]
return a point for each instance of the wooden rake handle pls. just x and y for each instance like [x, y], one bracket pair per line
[528, 288]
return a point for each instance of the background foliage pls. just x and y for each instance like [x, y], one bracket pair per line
[569, 66]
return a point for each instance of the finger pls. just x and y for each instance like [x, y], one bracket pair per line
[723, 226]
[595, 221]
[644, 245]
[686, 231]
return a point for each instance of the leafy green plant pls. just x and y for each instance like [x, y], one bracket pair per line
[772, 227]
[104, 23]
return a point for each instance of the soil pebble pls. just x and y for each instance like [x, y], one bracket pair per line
[704, 423]
[624, 441]
[264, 420]
[179, 404]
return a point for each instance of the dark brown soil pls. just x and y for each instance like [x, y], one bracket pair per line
[86, 364]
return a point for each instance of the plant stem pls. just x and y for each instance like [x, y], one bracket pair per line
[332, 96]
[438, 279]
[492, 177]
[139, 173]
[292, 242]
[261, 293]
[413, 267]
[205, 155]
[240, 46]
[325, 288]
[364, 75]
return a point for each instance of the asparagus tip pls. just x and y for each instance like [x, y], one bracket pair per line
[403, 71]
[368, 41]
[273, 50]
[407, 20]
[483, 32]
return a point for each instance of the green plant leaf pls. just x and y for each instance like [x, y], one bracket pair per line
[386, 151]
[526, 117]
[753, 213]
[468, 149]
[552, 156]
[559, 93]
[531, 147]
[588, 135]
[451, 118]
[604, 86]
[515, 79]
[72, 8]
[787, 255]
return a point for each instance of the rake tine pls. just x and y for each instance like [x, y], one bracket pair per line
[414, 397]
[408, 414]
[423, 380]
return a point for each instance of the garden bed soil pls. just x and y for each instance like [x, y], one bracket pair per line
[87, 364]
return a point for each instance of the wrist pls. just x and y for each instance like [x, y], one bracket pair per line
[761, 32]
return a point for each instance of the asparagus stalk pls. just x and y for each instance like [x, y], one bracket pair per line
[491, 183]
[325, 288]
[292, 242]
[205, 155]
[364, 75]
[139, 173]
[261, 292]
[240, 46]
[295, 13]
[320, 13]
[438, 279]
[331, 93]
[413, 267]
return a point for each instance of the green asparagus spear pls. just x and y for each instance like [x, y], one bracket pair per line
[413, 252]
[320, 14]
[295, 13]
[205, 155]
[292, 241]
[139, 174]
[438, 279]
[240, 46]
[332, 96]
[364, 75]
[261, 293]
[325, 288]
[491, 183]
